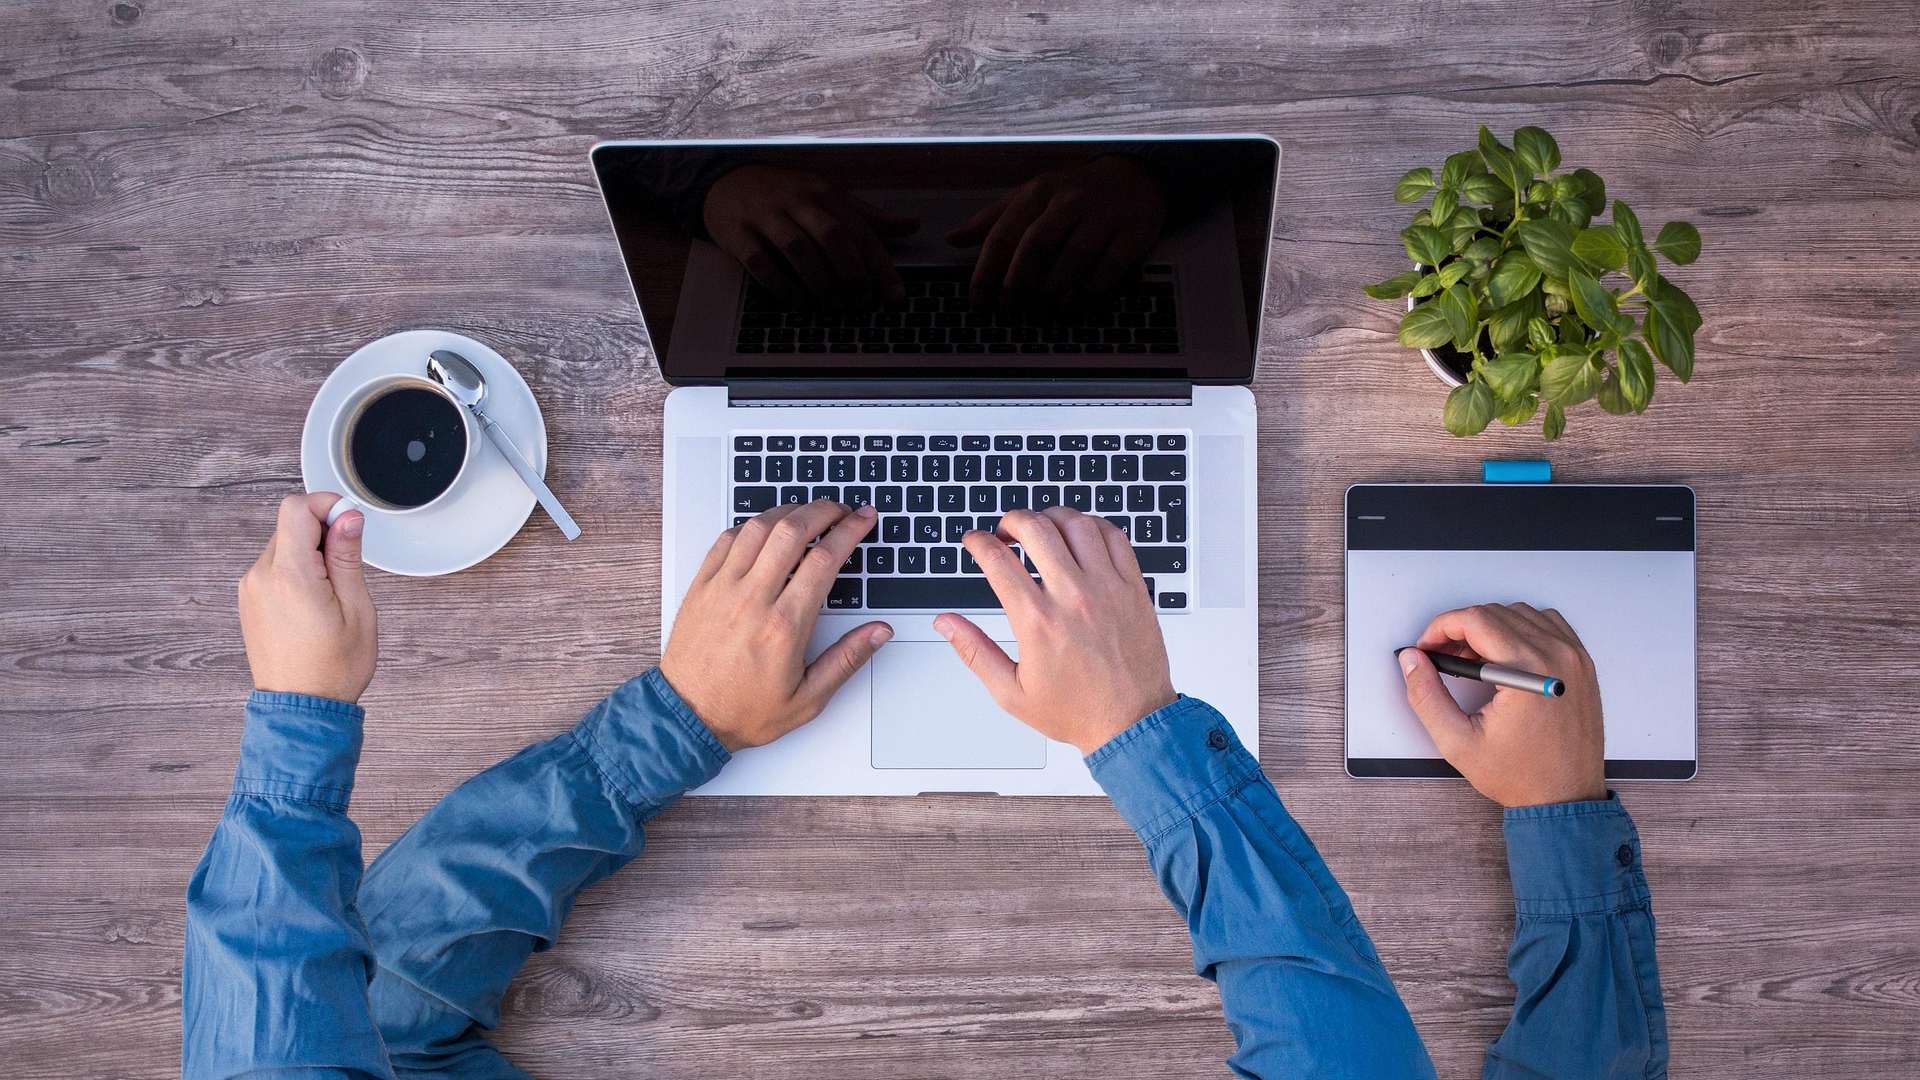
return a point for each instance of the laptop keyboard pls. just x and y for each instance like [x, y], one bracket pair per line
[935, 317]
[931, 490]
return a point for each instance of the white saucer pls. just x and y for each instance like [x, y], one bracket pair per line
[489, 503]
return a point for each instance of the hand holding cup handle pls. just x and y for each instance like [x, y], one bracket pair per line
[345, 503]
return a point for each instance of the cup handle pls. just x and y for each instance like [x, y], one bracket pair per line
[345, 504]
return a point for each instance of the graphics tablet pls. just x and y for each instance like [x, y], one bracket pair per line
[1616, 560]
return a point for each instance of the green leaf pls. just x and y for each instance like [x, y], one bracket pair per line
[1414, 185]
[1551, 245]
[1537, 149]
[1460, 166]
[1426, 245]
[1451, 273]
[1507, 326]
[1469, 409]
[1679, 242]
[1445, 200]
[1539, 333]
[1485, 249]
[1594, 190]
[1428, 285]
[1569, 378]
[1426, 326]
[1484, 189]
[1640, 266]
[1573, 212]
[1514, 276]
[1463, 316]
[1628, 224]
[1612, 399]
[1555, 425]
[1602, 247]
[1636, 374]
[1519, 410]
[1595, 303]
[1512, 375]
[1395, 287]
[1672, 344]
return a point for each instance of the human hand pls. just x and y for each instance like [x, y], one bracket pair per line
[305, 615]
[804, 238]
[1520, 749]
[738, 651]
[1091, 660]
[1064, 236]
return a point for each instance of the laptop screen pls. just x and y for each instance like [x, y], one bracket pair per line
[1057, 259]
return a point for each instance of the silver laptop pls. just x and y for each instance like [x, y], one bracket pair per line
[1111, 377]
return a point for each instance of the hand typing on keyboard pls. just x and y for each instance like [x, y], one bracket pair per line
[804, 238]
[1091, 658]
[737, 655]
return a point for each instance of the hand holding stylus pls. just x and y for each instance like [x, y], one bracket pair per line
[1520, 749]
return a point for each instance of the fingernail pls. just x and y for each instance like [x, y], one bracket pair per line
[944, 627]
[1408, 661]
[881, 635]
[865, 511]
[352, 523]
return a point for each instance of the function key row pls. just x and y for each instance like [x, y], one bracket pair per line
[913, 444]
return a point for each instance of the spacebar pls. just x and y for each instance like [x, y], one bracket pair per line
[946, 593]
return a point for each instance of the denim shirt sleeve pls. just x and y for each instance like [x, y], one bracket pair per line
[277, 962]
[1303, 990]
[455, 906]
[1586, 985]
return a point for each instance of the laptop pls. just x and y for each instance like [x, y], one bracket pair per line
[1113, 378]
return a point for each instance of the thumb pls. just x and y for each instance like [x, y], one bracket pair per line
[342, 549]
[982, 655]
[1431, 702]
[832, 668]
[975, 229]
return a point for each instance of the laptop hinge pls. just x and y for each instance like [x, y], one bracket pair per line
[898, 392]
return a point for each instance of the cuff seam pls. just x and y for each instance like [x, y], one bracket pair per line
[1226, 787]
[684, 714]
[259, 787]
[281, 699]
[590, 747]
[1153, 721]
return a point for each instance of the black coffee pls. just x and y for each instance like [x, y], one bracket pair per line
[407, 446]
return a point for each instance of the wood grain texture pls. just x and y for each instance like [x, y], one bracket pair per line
[206, 204]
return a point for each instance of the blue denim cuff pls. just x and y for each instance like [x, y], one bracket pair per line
[296, 746]
[1171, 765]
[1574, 859]
[649, 744]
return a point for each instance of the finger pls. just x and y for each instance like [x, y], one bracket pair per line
[1490, 631]
[983, 656]
[751, 536]
[786, 543]
[820, 566]
[1004, 572]
[835, 239]
[1561, 624]
[1078, 254]
[884, 222]
[1040, 538]
[869, 227]
[1531, 615]
[342, 551]
[976, 227]
[1452, 730]
[297, 534]
[996, 252]
[1036, 254]
[1115, 265]
[1120, 550]
[1084, 536]
[758, 257]
[831, 669]
[806, 260]
[716, 555]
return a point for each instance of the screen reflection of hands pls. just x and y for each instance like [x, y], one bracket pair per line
[808, 241]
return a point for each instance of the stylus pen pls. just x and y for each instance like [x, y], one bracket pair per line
[1512, 678]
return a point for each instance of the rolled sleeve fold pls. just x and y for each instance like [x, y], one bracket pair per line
[649, 744]
[1574, 859]
[1170, 765]
[297, 746]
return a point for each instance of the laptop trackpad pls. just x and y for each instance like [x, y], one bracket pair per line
[929, 712]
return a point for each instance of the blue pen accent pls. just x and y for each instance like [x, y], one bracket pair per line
[1516, 472]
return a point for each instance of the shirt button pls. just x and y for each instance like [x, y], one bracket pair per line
[1624, 855]
[1217, 739]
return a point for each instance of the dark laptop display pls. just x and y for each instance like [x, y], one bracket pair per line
[1069, 259]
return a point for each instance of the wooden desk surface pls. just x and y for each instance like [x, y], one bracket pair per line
[205, 205]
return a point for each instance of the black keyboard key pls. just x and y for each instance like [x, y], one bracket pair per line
[1139, 498]
[1013, 498]
[967, 469]
[950, 594]
[912, 444]
[880, 560]
[752, 500]
[1106, 442]
[779, 470]
[1139, 442]
[1039, 442]
[920, 500]
[1080, 498]
[1164, 467]
[844, 594]
[1074, 442]
[1147, 530]
[873, 469]
[999, 469]
[945, 444]
[1161, 560]
[983, 499]
[813, 443]
[988, 524]
[1093, 468]
[1173, 442]
[1173, 503]
[1046, 496]
[779, 444]
[1173, 600]
[926, 530]
[958, 527]
[1060, 468]
[968, 564]
[832, 493]
[888, 500]
[906, 469]
[746, 470]
[975, 442]
[1121, 522]
[846, 444]
[913, 560]
[1126, 467]
[853, 563]
[943, 560]
[841, 469]
[792, 496]
[1030, 468]
[896, 530]
[746, 444]
[879, 444]
[1107, 499]
[812, 470]
[857, 497]
[936, 470]
[953, 500]
[1007, 442]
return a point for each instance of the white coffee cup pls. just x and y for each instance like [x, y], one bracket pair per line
[355, 494]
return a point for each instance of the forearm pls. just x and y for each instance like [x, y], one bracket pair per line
[277, 964]
[489, 875]
[1303, 990]
[1586, 983]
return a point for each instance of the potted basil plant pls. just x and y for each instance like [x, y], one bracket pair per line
[1518, 297]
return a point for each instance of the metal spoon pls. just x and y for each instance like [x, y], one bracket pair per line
[465, 383]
